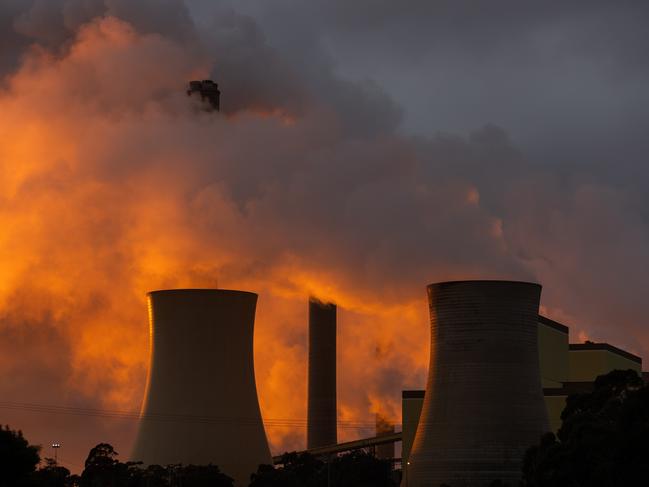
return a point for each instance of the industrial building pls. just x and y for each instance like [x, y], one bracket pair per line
[491, 354]
[491, 358]
[586, 361]
[201, 402]
[565, 369]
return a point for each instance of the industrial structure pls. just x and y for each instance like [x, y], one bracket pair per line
[581, 364]
[498, 371]
[494, 341]
[208, 91]
[201, 402]
[484, 364]
[566, 368]
[321, 401]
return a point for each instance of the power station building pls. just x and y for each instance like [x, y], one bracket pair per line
[499, 376]
[565, 369]
[201, 402]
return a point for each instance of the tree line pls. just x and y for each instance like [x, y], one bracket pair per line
[603, 442]
[21, 466]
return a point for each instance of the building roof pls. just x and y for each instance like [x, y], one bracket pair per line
[605, 347]
[553, 324]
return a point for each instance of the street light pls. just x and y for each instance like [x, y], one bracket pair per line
[56, 445]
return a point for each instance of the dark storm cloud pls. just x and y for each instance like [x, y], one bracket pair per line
[53, 23]
[567, 79]
[504, 29]
[11, 43]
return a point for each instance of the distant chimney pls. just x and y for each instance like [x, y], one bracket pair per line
[321, 409]
[208, 91]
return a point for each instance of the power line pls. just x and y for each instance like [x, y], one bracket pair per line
[177, 418]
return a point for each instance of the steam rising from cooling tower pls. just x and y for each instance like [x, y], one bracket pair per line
[321, 409]
[484, 404]
[201, 402]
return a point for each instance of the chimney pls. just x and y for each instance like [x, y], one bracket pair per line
[321, 409]
[209, 92]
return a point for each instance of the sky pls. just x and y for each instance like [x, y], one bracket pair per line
[364, 150]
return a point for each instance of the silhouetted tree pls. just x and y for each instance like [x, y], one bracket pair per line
[155, 476]
[493, 483]
[269, 476]
[52, 475]
[151, 476]
[202, 476]
[603, 440]
[18, 459]
[360, 469]
[355, 469]
[102, 469]
[297, 470]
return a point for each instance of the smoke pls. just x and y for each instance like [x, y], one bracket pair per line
[114, 183]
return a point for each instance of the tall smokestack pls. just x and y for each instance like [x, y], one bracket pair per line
[201, 400]
[321, 410]
[484, 403]
[208, 91]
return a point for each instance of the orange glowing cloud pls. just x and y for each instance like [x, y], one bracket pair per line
[100, 206]
[114, 183]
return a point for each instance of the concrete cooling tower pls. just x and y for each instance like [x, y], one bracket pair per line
[484, 403]
[201, 400]
[321, 403]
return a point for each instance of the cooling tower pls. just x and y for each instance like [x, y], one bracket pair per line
[321, 407]
[484, 403]
[201, 401]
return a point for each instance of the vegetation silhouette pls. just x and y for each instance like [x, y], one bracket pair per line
[18, 459]
[603, 442]
[53, 475]
[354, 469]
